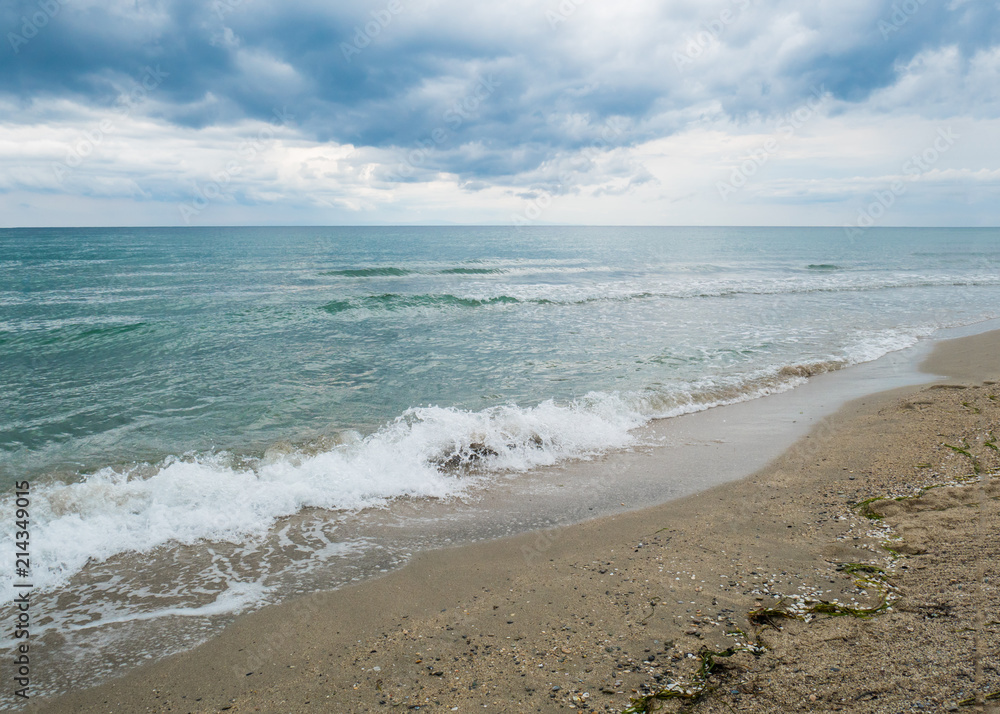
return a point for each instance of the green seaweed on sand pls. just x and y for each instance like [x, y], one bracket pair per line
[834, 609]
[852, 568]
[959, 449]
[696, 688]
[804, 608]
[865, 509]
[790, 608]
[971, 701]
[958, 481]
[768, 616]
[964, 450]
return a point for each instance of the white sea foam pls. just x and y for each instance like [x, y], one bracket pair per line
[430, 452]
[699, 287]
[237, 597]
[870, 345]
[478, 291]
[425, 453]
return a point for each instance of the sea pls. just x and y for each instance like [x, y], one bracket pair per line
[209, 420]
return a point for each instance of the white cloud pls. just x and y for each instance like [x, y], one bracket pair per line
[683, 126]
[942, 82]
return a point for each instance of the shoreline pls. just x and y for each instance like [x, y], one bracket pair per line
[262, 659]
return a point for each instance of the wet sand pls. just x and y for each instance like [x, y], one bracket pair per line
[594, 615]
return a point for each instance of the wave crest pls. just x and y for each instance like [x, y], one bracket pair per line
[394, 301]
[386, 272]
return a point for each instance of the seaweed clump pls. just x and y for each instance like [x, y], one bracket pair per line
[805, 609]
[971, 701]
[795, 607]
[698, 686]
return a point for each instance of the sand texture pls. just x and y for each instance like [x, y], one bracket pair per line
[833, 601]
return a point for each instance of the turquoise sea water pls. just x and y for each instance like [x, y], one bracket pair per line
[136, 344]
[163, 387]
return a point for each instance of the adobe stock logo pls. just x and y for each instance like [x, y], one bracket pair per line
[563, 12]
[710, 34]
[786, 127]
[89, 141]
[901, 14]
[461, 111]
[363, 36]
[30, 26]
[219, 186]
[912, 169]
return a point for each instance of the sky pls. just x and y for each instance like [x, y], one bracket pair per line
[853, 113]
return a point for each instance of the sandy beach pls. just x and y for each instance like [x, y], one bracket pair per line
[855, 573]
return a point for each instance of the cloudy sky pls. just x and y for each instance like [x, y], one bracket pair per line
[692, 112]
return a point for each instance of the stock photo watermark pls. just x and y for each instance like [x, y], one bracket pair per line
[540, 202]
[901, 14]
[786, 127]
[23, 587]
[220, 180]
[458, 113]
[33, 24]
[224, 7]
[263, 650]
[540, 545]
[710, 33]
[365, 34]
[90, 140]
[563, 12]
[912, 169]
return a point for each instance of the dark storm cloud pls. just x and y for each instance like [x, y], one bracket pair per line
[402, 75]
